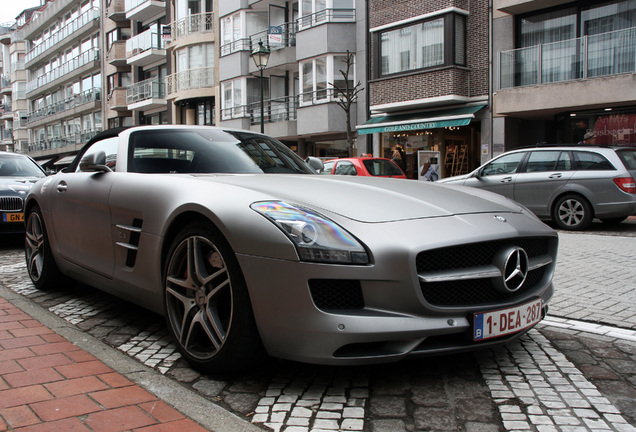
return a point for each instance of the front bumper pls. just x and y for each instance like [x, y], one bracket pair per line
[394, 319]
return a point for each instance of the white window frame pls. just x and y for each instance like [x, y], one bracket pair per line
[314, 96]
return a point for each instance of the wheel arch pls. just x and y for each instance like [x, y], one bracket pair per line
[570, 192]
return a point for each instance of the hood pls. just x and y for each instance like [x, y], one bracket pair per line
[19, 185]
[460, 179]
[367, 199]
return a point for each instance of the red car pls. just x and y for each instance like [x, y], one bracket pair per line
[363, 166]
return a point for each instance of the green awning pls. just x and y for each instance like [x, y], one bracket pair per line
[417, 121]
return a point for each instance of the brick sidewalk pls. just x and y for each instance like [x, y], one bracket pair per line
[49, 384]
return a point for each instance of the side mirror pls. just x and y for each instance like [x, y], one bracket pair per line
[94, 162]
[315, 163]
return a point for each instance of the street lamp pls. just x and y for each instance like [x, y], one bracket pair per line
[261, 57]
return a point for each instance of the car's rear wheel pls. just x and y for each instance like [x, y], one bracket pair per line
[41, 266]
[208, 309]
[572, 212]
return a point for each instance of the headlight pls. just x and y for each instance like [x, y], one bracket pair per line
[317, 239]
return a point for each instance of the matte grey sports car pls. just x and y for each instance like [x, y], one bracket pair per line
[242, 247]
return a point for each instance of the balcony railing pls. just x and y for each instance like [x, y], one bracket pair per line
[275, 110]
[190, 79]
[69, 30]
[5, 81]
[19, 65]
[74, 101]
[197, 23]
[326, 16]
[594, 56]
[152, 88]
[5, 107]
[68, 67]
[243, 44]
[7, 134]
[143, 42]
[285, 38]
[69, 139]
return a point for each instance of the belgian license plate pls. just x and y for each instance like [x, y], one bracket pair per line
[13, 217]
[506, 321]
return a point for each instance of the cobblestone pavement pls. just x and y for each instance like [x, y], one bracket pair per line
[575, 372]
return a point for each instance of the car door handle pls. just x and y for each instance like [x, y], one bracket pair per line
[555, 176]
[62, 186]
[505, 180]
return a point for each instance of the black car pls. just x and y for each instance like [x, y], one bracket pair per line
[17, 174]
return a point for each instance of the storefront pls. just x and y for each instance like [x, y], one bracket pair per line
[612, 126]
[443, 143]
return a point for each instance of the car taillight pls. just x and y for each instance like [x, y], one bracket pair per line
[626, 184]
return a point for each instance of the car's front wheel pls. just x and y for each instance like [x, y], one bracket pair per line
[572, 212]
[208, 309]
[41, 266]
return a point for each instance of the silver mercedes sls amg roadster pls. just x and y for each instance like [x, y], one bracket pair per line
[245, 250]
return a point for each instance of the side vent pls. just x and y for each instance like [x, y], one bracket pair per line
[132, 234]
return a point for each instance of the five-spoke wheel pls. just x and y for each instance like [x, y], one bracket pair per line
[207, 306]
[572, 212]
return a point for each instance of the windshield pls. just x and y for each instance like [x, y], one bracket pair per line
[211, 151]
[19, 166]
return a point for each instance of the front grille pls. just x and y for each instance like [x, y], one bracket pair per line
[10, 204]
[329, 294]
[477, 291]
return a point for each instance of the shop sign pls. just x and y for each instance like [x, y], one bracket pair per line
[616, 129]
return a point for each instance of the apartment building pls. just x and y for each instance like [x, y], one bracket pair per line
[564, 68]
[307, 42]
[13, 104]
[147, 57]
[428, 84]
[63, 76]
[191, 39]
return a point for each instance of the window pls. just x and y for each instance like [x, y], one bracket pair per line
[588, 161]
[435, 42]
[506, 164]
[195, 56]
[109, 147]
[317, 74]
[540, 161]
[345, 168]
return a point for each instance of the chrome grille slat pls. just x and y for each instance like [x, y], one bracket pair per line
[10, 203]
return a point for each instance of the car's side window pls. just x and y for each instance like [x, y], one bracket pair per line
[588, 161]
[328, 166]
[539, 161]
[506, 164]
[565, 162]
[109, 147]
[345, 168]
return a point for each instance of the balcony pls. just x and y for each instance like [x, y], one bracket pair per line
[116, 100]
[117, 54]
[67, 34]
[5, 84]
[70, 139]
[275, 110]
[145, 48]
[592, 71]
[327, 16]
[192, 25]
[6, 111]
[116, 10]
[586, 57]
[146, 95]
[76, 101]
[141, 10]
[66, 71]
[191, 79]
[7, 135]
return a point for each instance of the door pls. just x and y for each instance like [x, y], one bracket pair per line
[79, 205]
[544, 174]
[498, 175]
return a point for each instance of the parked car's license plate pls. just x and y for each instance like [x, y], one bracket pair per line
[501, 322]
[13, 217]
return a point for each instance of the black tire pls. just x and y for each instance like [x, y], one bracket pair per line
[614, 221]
[41, 265]
[572, 212]
[207, 306]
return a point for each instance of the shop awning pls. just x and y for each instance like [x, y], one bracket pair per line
[417, 121]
